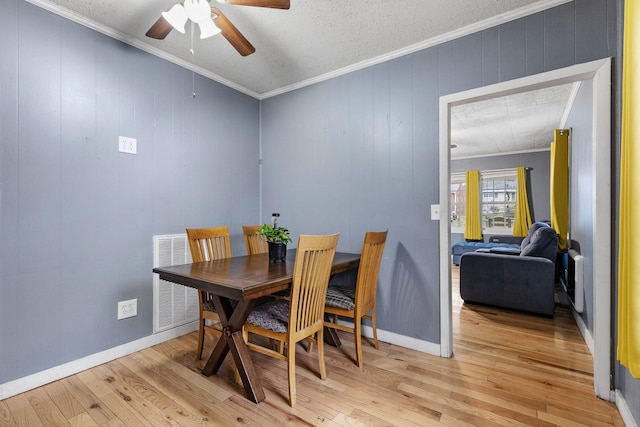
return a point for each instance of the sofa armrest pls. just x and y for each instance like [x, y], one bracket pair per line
[518, 282]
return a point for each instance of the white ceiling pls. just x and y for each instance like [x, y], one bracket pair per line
[314, 40]
[516, 123]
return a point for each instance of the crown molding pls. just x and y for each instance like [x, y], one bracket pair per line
[461, 32]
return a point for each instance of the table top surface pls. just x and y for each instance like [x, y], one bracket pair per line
[245, 277]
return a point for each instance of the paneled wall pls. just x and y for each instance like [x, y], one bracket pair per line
[360, 152]
[581, 196]
[78, 216]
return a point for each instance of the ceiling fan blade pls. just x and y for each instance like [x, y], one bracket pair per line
[160, 29]
[231, 33]
[274, 4]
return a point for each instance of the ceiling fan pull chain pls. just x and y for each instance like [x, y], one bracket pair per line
[193, 65]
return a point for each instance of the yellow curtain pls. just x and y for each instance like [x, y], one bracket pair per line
[522, 220]
[559, 188]
[473, 228]
[628, 265]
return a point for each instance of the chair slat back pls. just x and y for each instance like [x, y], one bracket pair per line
[254, 243]
[311, 272]
[370, 259]
[208, 244]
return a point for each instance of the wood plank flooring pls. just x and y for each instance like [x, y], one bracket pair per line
[508, 369]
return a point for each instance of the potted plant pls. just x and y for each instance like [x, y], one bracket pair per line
[277, 239]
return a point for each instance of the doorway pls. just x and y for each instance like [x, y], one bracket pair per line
[598, 74]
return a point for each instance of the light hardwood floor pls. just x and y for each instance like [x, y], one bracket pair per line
[508, 369]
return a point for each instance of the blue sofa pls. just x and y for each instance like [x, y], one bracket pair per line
[460, 248]
[524, 281]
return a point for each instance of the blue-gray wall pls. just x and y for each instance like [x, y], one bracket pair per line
[357, 153]
[581, 191]
[78, 216]
[360, 151]
[538, 177]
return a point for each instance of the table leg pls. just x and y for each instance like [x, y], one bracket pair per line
[250, 379]
[232, 340]
[217, 357]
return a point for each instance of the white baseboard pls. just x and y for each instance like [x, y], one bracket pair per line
[624, 410]
[584, 331]
[47, 376]
[401, 340]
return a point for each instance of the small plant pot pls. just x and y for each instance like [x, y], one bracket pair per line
[277, 251]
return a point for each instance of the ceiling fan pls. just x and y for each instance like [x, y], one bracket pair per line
[210, 21]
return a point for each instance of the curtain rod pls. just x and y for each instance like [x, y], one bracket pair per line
[528, 168]
[494, 171]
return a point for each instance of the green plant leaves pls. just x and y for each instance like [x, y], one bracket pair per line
[274, 234]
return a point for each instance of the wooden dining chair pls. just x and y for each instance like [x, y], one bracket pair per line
[254, 243]
[208, 244]
[356, 303]
[300, 317]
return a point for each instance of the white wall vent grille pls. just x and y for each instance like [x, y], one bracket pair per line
[173, 305]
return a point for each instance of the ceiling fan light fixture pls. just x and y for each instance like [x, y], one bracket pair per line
[208, 29]
[197, 10]
[176, 17]
[210, 20]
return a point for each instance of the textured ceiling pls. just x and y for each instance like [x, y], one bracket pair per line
[510, 124]
[318, 39]
[310, 40]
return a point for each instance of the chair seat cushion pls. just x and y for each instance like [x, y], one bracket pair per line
[341, 297]
[207, 305]
[272, 315]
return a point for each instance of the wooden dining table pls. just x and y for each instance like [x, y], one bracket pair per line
[235, 285]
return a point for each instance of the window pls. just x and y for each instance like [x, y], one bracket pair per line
[498, 201]
[457, 202]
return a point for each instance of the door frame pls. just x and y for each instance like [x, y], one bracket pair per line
[597, 73]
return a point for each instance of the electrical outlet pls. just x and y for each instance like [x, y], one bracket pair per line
[127, 145]
[127, 308]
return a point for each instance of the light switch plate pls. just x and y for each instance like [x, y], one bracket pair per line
[435, 212]
[127, 145]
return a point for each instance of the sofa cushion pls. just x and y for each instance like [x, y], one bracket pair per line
[511, 240]
[463, 247]
[543, 243]
[506, 251]
[534, 227]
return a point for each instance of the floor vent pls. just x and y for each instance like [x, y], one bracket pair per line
[173, 305]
